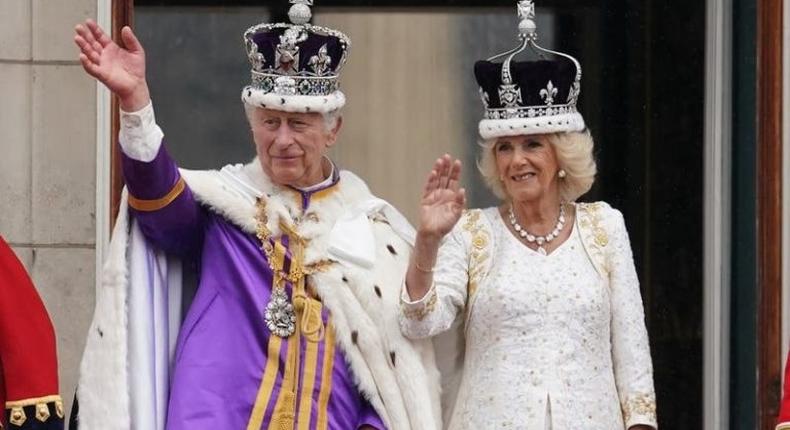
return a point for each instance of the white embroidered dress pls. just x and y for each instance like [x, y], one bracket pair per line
[550, 344]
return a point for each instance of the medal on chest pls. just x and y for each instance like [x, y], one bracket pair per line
[283, 315]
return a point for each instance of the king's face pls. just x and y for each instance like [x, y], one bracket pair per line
[291, 146]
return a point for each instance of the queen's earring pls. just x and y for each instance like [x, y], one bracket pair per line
[562, 173]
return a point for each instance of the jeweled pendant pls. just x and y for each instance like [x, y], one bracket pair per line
[279, 314]
[542, 250]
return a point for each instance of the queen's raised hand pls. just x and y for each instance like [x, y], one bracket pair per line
[121, 69]
[443, 200]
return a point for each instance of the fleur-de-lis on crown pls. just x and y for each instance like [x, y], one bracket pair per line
[256, 58]
[548, 93]
[483, 97]
[320, 63]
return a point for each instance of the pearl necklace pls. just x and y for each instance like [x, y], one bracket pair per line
[540, 240]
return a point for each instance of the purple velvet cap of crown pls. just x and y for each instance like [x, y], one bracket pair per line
[267, 42]
[531, 77]
[540, 98]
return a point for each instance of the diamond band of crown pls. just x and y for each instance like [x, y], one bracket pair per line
[295, 84]
[529, 111]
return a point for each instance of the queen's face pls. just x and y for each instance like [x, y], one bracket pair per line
[527, 167]
[291, 146]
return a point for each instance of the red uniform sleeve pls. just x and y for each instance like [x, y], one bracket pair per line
[783, 421]
[28, 359]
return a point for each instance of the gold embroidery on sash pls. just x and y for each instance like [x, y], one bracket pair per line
[326, 377]
[267, 383]
[284, 410]
[308, 380]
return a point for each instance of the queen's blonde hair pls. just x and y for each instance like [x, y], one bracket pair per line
[574, 152]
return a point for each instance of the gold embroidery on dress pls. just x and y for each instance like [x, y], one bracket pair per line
[593, 232]
[639, 405]
[479, 252]
[420, 313]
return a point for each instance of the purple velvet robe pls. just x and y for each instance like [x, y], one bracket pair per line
[223, 346]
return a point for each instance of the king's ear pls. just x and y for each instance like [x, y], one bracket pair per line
[335, 131]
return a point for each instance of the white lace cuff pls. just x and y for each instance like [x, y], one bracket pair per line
[140, 138]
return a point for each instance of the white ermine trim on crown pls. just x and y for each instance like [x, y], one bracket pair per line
[295, 103]
[491, 128]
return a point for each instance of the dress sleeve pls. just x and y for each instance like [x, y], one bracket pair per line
[630, 347]
[159, 199]
[435, 312]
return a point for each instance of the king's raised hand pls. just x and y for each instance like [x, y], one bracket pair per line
[443, 200]
[121, 69]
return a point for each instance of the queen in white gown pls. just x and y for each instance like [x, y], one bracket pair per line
[542, 290]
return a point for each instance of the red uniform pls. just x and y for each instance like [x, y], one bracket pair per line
[783, 422]
[28, 360]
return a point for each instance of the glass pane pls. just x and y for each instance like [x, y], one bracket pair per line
[412, 96]
[197, 66]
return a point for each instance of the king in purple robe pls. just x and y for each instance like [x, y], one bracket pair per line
[294, 324]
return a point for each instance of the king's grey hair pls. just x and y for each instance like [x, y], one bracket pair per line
[330, 118]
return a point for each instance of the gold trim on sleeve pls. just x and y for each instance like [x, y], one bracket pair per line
[18, 416]
[157, 204]
[420, 312]
[42, 412]
[639, 405]
[32, 401]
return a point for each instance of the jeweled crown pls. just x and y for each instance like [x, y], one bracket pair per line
[529, 97]
[296, 66]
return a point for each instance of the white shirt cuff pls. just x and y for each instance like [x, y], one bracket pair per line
[140, 138]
